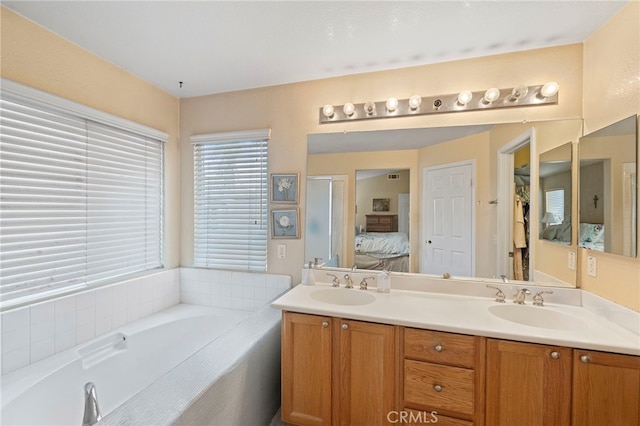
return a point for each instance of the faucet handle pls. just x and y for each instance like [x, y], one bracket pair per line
[499, 294]
[538, 300]
[335, 281]
[364, 284]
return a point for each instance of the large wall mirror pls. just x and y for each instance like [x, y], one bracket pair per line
[369, 162]
[608, 189]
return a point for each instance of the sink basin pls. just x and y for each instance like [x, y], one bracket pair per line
[534, 316]
[343, 296]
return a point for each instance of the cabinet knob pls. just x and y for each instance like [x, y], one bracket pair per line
[437, 388]
[438, 348]
[585, 358]
[555, 355]
[325, 324]
[345, 326]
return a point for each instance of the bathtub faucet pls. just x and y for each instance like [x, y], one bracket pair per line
[91, 411]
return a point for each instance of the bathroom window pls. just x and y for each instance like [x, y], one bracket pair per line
[230, 200]
[81, 198]
[555, 205]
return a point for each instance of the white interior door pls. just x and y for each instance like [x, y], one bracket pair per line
[448, 241]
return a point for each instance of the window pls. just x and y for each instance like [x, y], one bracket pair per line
[230, 200]
[81, 200]
[554, 200]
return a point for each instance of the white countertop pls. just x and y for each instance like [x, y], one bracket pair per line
[469, 314]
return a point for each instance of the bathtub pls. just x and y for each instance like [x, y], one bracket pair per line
[167, 368]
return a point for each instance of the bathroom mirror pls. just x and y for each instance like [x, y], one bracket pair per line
[414, 150]
[608, 189]
[555, 195]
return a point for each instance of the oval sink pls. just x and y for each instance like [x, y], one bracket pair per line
[342, 296]
[533, 316]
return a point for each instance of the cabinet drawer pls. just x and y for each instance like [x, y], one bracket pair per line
[443, 348]
[440, 387]
[419, 418]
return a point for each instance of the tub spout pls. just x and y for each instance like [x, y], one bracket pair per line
[91, 411]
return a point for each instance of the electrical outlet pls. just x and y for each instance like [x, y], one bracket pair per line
[572, 261]
[592, 266]
[282, 251]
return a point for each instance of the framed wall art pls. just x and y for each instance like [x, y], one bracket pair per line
[284, 223]
[285, 188]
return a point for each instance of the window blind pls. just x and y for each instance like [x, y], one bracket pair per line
[230, 201]
[80, 201]
[555, 205]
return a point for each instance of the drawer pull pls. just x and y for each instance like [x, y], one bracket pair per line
[325, 324]
[438, 348]
[437, 388]
[555, 355]
[585, 358]
[345, 326]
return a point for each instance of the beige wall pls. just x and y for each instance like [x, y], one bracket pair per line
[38, 58]
[612, 93]
[379, 187]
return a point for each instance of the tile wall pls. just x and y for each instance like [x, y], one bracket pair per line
[226, 289]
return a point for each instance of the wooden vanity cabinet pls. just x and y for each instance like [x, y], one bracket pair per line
[606, 389]
[528, 384]
[444, 373]
[306, 369]
[337, 371]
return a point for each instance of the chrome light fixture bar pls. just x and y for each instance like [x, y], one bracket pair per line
[493, 98]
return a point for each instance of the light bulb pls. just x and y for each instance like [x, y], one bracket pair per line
[491, 95]
[327, 110]
[392, 104]
[348, 109]
[519, 92]
[414, 102]
[549, 89]
[465, 97]
[370, 108]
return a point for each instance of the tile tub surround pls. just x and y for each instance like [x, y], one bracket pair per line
[230, 289]
[32, 333]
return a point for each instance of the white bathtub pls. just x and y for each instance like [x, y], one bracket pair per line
[141, 371]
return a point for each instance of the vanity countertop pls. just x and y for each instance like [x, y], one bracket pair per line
[471, 315]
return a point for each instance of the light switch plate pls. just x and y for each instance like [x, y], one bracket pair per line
[572, 261]
[282, 251]
[592, 266]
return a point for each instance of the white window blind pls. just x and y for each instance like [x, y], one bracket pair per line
[230, 200]
[554, 200]
[80, 202]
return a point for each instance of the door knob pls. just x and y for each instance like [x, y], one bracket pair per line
[428, 241]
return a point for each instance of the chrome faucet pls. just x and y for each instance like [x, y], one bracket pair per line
[538, 300]
[364, 284]
[520, 296]
[91, 411]
[504, 278]
[499, 294]
[348, 280]
[335, 282]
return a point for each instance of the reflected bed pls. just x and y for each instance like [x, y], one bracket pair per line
[382, 250]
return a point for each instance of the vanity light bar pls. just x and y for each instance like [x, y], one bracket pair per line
[466, 100]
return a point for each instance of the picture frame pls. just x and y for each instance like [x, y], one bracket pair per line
[285, 223]
[285, 188]
[381, 204]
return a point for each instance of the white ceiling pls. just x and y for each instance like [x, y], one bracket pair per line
[216, 46]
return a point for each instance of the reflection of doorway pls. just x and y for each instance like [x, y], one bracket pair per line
[506, 202]
[448, 218]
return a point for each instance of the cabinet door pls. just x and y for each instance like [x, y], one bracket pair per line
[528, 384]
[606, 389]
[306, 369]
[364, 376]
